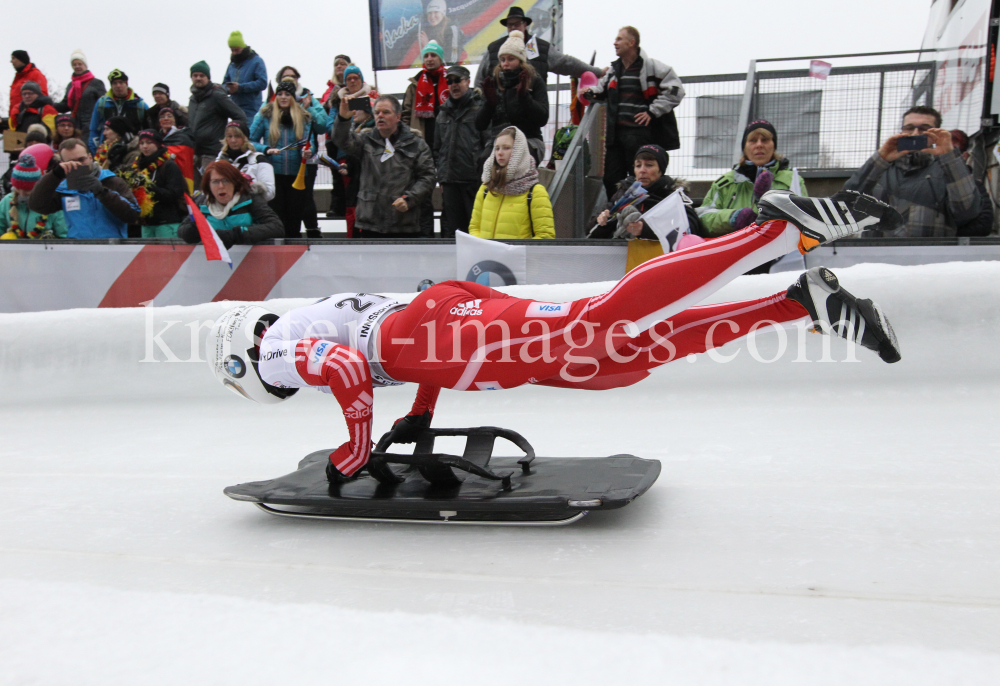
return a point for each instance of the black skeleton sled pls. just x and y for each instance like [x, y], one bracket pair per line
[475, 488]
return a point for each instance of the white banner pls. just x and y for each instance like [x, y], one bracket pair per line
[490, 263]
[669, 221]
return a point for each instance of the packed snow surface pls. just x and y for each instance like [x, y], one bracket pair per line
[815, 522]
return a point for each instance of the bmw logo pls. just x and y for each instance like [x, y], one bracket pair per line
[491, 273]
[234, 366]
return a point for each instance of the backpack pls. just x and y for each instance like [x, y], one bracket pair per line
[560, 144]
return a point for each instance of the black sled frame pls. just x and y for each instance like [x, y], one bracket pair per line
[496, 491]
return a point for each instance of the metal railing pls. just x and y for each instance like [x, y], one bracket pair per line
[833, 124]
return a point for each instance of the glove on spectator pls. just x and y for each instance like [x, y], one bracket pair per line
[490, 90]
[762, 185]
[523, 84]
[743, 218]
[627, 216]
[87, 183]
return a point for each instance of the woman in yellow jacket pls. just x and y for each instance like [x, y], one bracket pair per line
[511, 203]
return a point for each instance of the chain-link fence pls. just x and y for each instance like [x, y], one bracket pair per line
[835, 123]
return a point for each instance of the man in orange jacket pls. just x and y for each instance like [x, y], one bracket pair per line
[26, 71]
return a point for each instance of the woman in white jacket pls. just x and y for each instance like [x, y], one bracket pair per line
[237, 150]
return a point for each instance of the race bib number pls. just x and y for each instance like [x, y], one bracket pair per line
[72, 203]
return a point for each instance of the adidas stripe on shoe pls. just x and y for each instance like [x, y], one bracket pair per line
[821, 220]
[835, 310]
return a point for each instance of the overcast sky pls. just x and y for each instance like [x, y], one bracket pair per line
[155, 42]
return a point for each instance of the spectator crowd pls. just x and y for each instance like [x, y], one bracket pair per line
[104, 162]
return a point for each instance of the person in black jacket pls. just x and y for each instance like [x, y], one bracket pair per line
[515, 96]
[544, 56]
[456, 151]
[237, 215]
[209, 110]
[158, 186]
[649, 165]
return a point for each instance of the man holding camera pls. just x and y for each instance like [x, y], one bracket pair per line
[921, 174]
[95, 202]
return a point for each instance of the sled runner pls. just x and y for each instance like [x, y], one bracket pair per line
[474, 488]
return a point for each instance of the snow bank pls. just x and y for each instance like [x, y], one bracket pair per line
[947, 317]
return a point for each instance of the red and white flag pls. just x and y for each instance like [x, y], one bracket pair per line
[819, 69]
[214, 249]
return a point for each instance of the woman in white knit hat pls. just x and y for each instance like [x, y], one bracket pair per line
[515, 96]
[511, 203]
[82, 92]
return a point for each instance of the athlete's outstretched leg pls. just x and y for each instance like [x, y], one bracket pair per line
[816, 297]
[666, 285]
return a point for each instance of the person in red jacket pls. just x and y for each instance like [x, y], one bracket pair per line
[26, 71]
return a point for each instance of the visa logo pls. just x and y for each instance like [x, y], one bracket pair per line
[547, 309]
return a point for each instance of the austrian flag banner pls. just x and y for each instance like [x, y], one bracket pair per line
[214, 249]
[819, 69]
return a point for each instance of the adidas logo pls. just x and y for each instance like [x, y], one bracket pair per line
[471, 308]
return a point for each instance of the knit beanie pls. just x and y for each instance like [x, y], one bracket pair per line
[242, 126]
[201, 68]
[32, 87]
[151, 135]
[286, 86]
[437, 6]
[236, 40]
[434, 47]
[26, 173]
[64, 118]
[21, 56]
[661, 156]
[514, 45]
[759, 124]
[166, 110]
[353, 69]
[119, 125]
[162, 88]
[78, 55]
[117, 75]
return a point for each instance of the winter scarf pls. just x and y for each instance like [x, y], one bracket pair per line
[101, 156]
[140, 178]
[76, 90]
[222, 211]
[40, 225]
[521, 172]
[424, 104]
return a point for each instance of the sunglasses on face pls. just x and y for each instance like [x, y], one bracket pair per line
[451, 80]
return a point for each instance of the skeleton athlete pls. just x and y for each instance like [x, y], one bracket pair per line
[469, 337]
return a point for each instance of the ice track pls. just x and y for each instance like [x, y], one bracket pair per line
[815, 522]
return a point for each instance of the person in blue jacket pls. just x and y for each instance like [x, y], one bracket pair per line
[246, 76]
[94, 202]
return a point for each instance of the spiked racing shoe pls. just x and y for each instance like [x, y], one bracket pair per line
[821, 220]
[834, 309]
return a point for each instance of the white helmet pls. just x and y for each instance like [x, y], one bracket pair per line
[233, 348]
